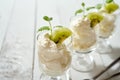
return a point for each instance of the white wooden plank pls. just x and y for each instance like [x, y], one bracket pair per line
[18, 41]
[6, 8]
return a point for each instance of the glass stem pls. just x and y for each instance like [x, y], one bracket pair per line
[104, 46]
[50, 28]
[83, 62]
[104, 42]
[84, 58]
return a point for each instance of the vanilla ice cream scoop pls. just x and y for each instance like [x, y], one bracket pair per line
[83, 36]
[106, 26]
[54, 58]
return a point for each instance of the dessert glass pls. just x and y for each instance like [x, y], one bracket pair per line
[54, 59]
[104, 31]
[83, 42]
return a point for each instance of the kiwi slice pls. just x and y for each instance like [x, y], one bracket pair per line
[95, 18]
[60, 34]
[111, 7]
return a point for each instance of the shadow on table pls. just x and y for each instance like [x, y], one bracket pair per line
[75, 75]
[100, 68]
[97, 70]
[114, 53]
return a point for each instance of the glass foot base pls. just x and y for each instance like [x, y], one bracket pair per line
[62, 77]
[83, 64]
[45, 77]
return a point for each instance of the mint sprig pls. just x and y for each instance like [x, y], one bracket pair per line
[44, 28]
[84, 9]
[78, 11]
[81, 10]
[89, 8]
[83, 4]
[109, 1]
[50, 27]
[48, 19]
[58, 26]
[98, 6]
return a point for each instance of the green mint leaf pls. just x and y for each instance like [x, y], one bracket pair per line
[83, 4]
[89, 8]
[78, 11]
[44, 28]
[58, 26]
[109, 1]
[50, 18]
[46, 18]
[98, 6]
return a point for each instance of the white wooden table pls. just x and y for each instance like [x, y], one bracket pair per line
[19, 20]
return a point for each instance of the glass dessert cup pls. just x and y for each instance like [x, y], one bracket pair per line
[83, 42]
[82, 60]
[104, 31]
[54, 60]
